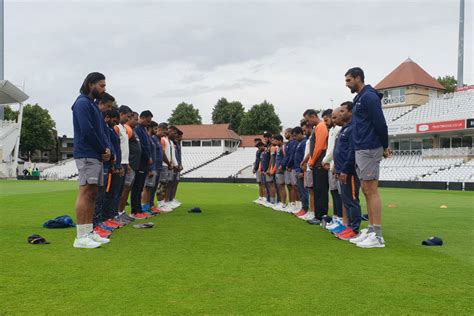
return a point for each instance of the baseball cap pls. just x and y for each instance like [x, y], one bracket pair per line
[195, 210]
[37, 240]
[432, 241]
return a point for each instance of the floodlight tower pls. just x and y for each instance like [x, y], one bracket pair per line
[460, 78]
[2, 53]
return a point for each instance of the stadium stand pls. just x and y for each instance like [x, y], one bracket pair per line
[64, 170]
[394, 113]
[228, 166]
[8, 137]
[194, 157]
[6, 128]
[414, 167]
[457, 173]
[451, 106]
[397, 168]
[9, 131]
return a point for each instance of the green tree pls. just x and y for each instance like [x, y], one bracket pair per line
[228, 112]
[185, 114]
[448, 82]
[37, 130]
[260, 118]
[10, 114]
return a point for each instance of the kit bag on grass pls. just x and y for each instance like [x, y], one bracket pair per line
[64, 221]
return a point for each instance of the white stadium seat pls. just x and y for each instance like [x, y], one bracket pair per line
[448, 107]
[227, 166]
[65, 170]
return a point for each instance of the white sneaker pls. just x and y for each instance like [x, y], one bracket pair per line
[282, 208]
[177, 202]
[256, 201]
[278, 207]
[173, 204]
[86, 242]
[308, 216]
[372, 241]
[296, 209]
[288, 208]
[271, 205]
[362, 236]
[333, 224]
[98, 239]
[166, 208]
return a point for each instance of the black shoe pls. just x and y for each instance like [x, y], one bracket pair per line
[314, 221]
[126, 217]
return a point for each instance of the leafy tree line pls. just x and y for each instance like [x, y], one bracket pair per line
[258, 119]
[448, 82]
[38, 129]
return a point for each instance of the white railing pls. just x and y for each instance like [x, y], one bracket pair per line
[413, 152]
[394, 99]
[446, 152]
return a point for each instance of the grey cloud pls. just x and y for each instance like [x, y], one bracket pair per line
[52, 44]
[200, 88]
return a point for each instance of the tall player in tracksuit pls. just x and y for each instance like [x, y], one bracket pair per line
[370, 140]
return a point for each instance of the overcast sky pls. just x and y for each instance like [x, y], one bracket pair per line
[157, 54]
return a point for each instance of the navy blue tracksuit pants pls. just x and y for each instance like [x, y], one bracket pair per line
[350, 199]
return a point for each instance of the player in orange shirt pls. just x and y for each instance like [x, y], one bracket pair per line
[320, 174]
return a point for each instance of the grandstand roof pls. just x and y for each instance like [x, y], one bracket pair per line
[408, 73]
[247, 140]
[208, 131]
[9, 93]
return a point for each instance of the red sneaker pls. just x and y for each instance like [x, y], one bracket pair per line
[112, 223]
[155, 210]
[113, 220]
[344, 233]
[350, 235]
[140, 215]
[300, 213]
[102, 232]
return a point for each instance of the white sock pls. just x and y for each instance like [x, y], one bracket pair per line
[83, 230]
[89, 228]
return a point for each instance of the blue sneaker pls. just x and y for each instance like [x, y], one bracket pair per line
[338, 229]
[149, 212]
[110, 229]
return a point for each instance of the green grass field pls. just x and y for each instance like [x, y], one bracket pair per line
[236, 258]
